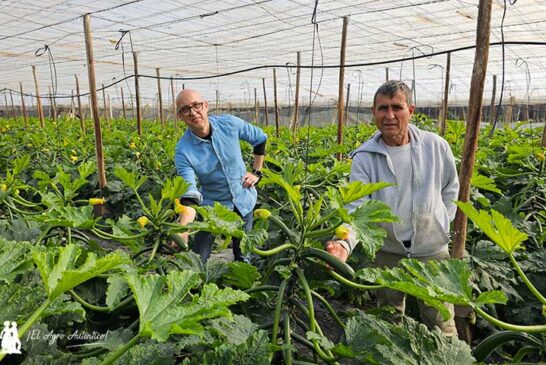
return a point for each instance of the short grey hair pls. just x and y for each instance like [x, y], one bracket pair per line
[391, 87]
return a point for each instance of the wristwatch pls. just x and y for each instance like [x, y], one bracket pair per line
[257, 173]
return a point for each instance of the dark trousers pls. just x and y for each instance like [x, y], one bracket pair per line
[203, 241]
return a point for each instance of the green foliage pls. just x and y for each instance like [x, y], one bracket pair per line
[14, 259]
[434, 282]
[219, 220]
[60, 270]
[166, 306]
[373, 341]
[364, 222]
[499, 229]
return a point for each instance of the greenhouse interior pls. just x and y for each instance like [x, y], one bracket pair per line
[273, 182]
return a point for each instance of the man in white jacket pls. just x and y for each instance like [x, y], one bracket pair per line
[422, 166]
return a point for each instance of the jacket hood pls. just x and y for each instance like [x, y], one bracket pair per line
[373, 145]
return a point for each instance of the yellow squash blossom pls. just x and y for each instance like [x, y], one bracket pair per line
[342, 233]
[179, 208]
[97, 201]
[143, 221]
[262, 214]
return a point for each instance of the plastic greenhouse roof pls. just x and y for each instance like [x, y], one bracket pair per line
[192, 39]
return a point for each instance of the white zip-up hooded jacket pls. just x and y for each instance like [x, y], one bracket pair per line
[435, 186]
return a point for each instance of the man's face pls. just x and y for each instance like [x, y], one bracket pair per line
[392, 117]
[193, 109]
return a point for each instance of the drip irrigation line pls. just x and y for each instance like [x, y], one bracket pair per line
[322, 66]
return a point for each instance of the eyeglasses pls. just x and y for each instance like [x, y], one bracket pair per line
[186, 110]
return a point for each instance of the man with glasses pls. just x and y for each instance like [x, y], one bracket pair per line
[209, 155]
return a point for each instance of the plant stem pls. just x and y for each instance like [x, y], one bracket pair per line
[277, 313]
[291, 236]
[107, 235]
[273, 251]
[352, 284]
[287, 353]
[329, 308]
[262, 288]
[86, 304]
[120, 351]
[529, 285]
[509, 326]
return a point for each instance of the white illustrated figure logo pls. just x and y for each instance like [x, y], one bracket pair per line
[10, 339]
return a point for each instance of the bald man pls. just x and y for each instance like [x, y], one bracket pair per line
[208, 156]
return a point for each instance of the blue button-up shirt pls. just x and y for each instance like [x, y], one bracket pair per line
[218, 163]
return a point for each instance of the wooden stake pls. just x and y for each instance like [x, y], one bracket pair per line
[445, 102]
[110, 114]
[123, 104]
[160, 100]
[347, 106]
[38, 98]
[175, 113]
[275, 100]
[341, 84]
[94, 102]
[24, 109]
[295, 119]
[265, 103]
[493, 107]
[471, 137]
[80, 109]
[386, 74]
[105, 107]
[137, 92]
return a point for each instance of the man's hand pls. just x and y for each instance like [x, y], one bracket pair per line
[187, 215]
[250, 180]
[335, 248]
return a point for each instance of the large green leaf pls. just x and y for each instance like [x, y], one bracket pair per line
[129, 178]
[59, 271]
[434, 282]
[240, 342]
[358, 189]
[219, 220]
[255, 238]
[499, 229]
[364, 223]
[293, 191]
[14, 259]
[165, 309]
[175, 188]
[373, 341]
[67, 216]
[484, 183]
[241, 275]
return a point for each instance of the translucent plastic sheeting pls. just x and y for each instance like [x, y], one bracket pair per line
[197, 39]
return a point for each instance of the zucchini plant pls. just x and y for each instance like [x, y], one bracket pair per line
[294, 249]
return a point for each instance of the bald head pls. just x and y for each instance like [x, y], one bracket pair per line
[187, 97]
[194, 111]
